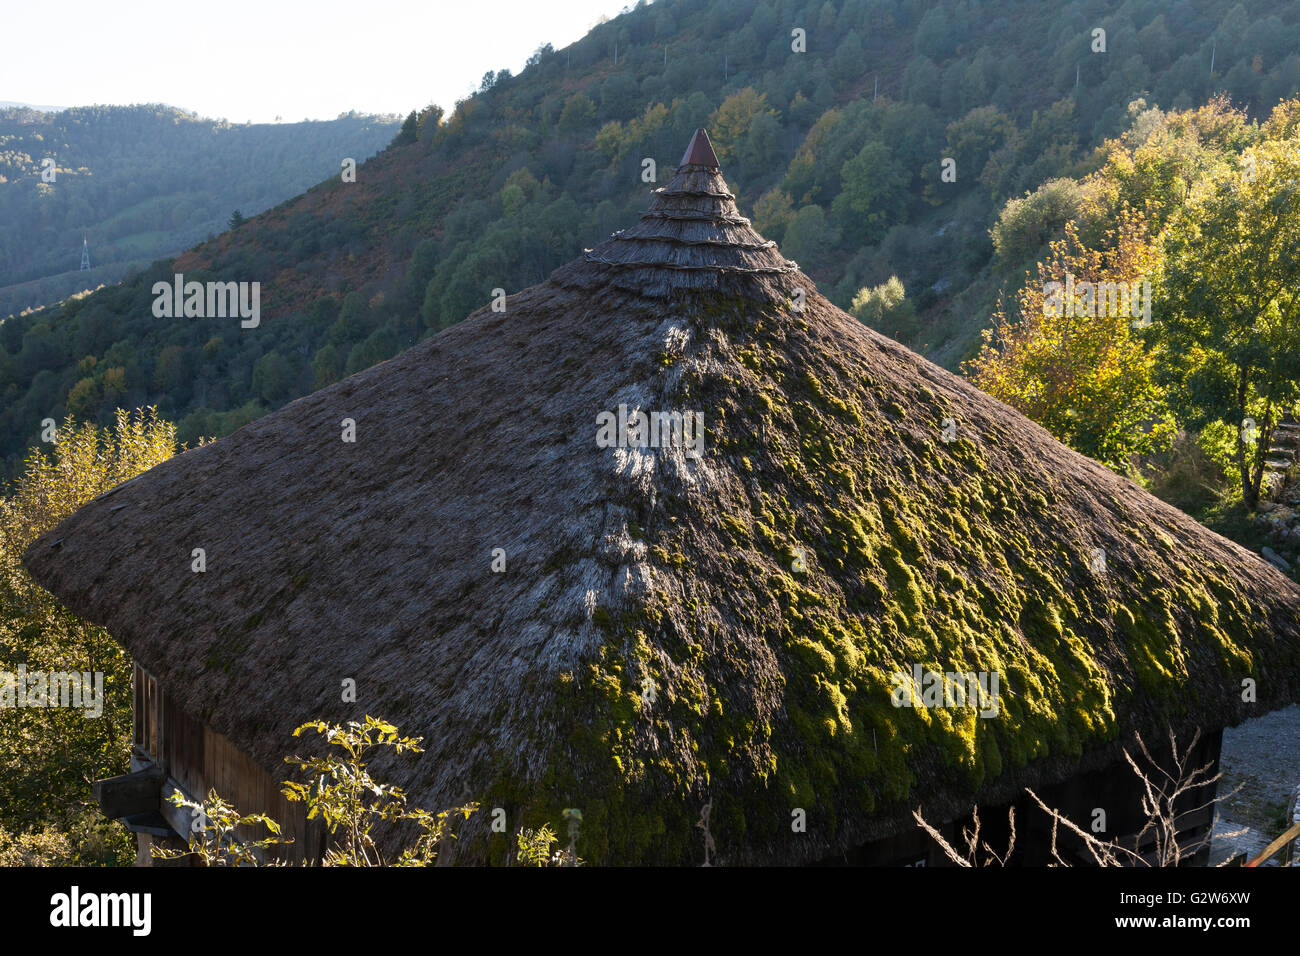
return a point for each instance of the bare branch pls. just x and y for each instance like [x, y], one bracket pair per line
[935, 835]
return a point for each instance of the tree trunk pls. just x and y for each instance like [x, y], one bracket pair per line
[1264, 439]
[1250, 499]
[1248, 495]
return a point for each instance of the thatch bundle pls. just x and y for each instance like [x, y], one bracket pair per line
[671, 631]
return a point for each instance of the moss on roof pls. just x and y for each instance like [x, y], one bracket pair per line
[968, 555]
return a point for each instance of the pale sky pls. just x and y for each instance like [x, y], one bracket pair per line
[258, 59]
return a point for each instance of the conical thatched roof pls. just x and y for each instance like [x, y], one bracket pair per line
[671, 629]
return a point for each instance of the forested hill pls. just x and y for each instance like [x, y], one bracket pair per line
[140, 182]
[832, 121]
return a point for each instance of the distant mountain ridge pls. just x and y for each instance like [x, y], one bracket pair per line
[143, 182]
[7, 104]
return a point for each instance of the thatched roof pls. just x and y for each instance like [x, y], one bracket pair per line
[828, 537]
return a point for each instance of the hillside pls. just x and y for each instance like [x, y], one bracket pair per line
[142, 182]
[836, 152]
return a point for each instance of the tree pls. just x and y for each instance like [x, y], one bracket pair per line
[1229, 334]
[620, 95]
[885, 308]
[772, 213]
[1156, 44]
[520, 187]
[975, 136]
[427, 123]
[730, 123]
[379, 346]
[272, 377]
[353, 322]
[1155, 163]
[114, 384]
[848, 62]
[802, 112]
[169, 370]
[326, 367]
[874, 194]
[424, 260]
[83, 398]
[809, 236]
[410, 130]
[921, 81]
[762, 144]
[236, 219]
[50, 756]
[1076, 367]
[611, 140]
[936, 35]
[1027, 223]
[578, 111]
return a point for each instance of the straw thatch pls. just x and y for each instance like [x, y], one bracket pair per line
[672, 630]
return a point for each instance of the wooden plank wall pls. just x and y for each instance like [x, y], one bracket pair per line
[200, 759]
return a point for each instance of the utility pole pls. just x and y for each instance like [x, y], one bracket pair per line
[875, 91]
[1214, 46]
[725, 73]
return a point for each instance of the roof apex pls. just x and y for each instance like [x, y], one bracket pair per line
[700, 151]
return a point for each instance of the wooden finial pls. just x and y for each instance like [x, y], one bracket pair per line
[700, 152]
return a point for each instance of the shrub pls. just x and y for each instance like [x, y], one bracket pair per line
[1025, 225]
[886, 309]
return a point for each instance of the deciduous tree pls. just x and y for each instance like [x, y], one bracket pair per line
[1229, 331]
[1081, 372]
